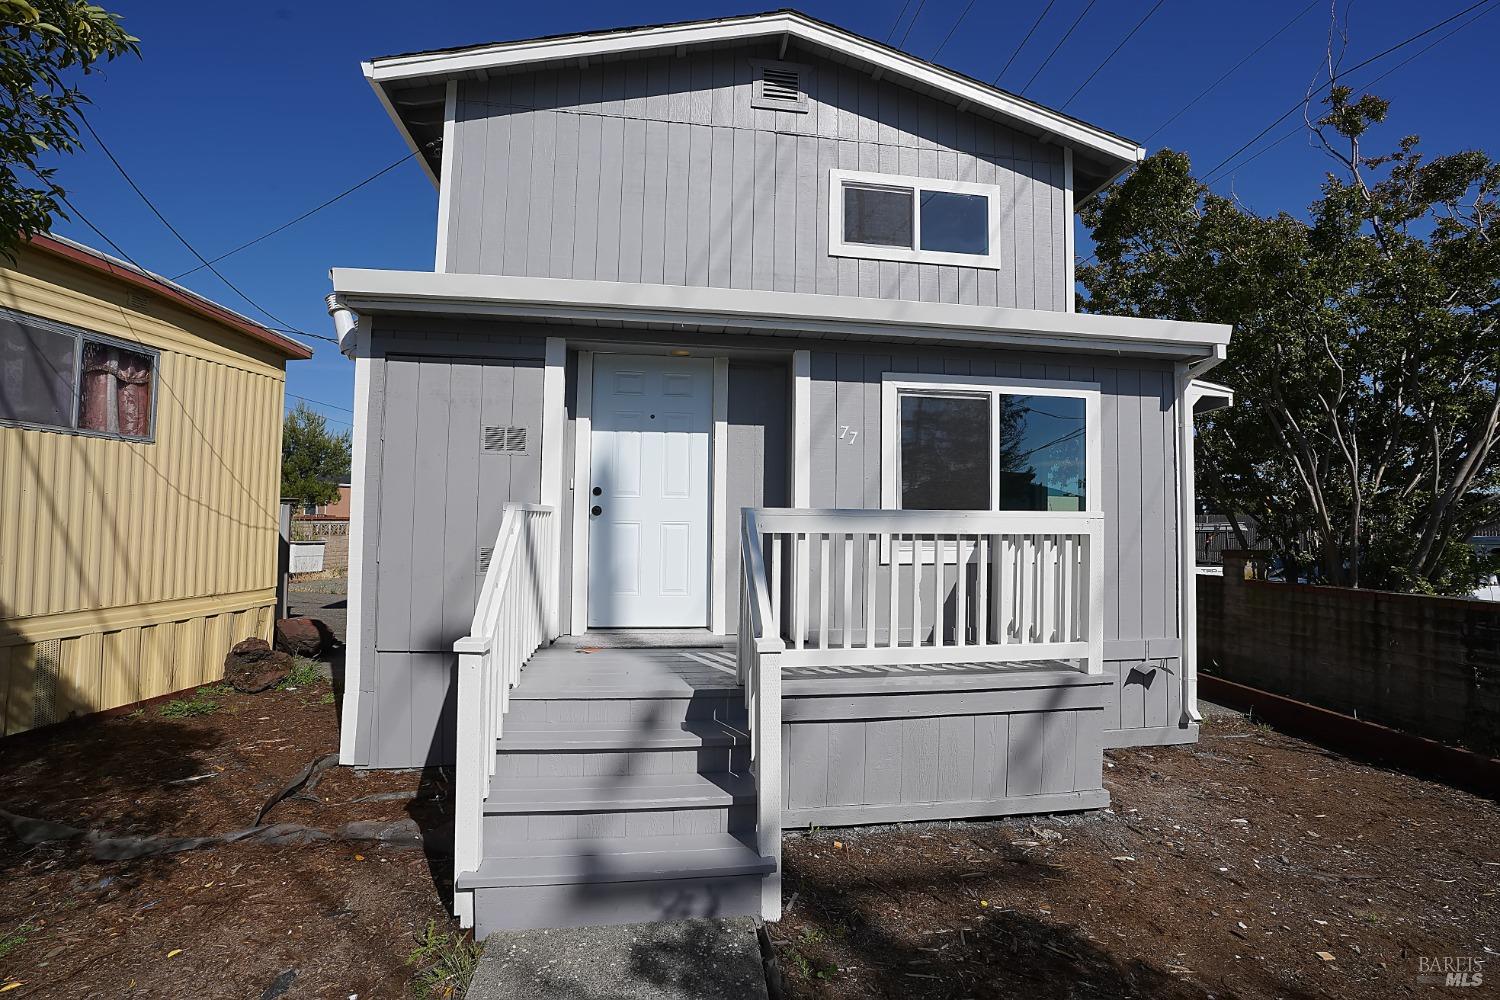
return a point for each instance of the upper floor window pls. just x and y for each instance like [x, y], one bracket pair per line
[920, 220]
[57, 376]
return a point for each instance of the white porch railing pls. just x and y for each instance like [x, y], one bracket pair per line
[511, 621]
[886, 586]
[830, 587]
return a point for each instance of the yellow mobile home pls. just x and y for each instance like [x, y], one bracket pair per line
[140, 443]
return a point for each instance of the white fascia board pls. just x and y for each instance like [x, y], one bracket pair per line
[856, 317]
[1206, 395]
[390, 109]
[780, 24]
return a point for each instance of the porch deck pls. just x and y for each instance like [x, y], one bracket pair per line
[685, 662]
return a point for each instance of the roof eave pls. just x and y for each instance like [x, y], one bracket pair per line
[784, 313]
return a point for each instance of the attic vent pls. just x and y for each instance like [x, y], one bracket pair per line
[505, 440]
[485, 552]
[137, 300]
[779, 86]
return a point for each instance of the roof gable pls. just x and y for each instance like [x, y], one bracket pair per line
[406, 83]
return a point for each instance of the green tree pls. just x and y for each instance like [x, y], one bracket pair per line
[43, 42]
[314, 460]
[1365, 351]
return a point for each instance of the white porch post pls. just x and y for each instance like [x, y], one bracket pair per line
[554, 422]
[801, 482]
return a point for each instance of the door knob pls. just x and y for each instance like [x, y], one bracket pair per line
[598, 491]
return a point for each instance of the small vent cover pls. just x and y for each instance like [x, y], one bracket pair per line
[485, 552]
[779, 86]
[505, 440]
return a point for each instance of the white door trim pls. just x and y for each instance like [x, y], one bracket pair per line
[718, 557]
[554, 423]
[583, 442]
[718, 458]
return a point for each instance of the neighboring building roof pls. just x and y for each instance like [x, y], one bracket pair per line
[1104, 154]
[130, 274]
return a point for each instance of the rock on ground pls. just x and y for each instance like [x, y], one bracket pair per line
[252, 666]
[301, 636]
[700, 959]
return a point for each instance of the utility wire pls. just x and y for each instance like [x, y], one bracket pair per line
[912, 23]
[319, 402]
[1365, 86]
[1323, 86]
[310, 212]
[892, 33]
[1034, 25]
[949, 36]
[1231, 70]
[1066, 35]
[1138, 26]
[182, 239]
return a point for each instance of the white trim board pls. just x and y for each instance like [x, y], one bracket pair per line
[583, 443]
[354, 645]
[554, 420]
[778, 313]
[718, 552]
[1114, 150]
[445, 186]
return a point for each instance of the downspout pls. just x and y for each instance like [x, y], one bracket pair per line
[1187, 519]
[347, 324]
[352, 328]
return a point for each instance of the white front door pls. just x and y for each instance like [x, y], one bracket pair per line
[649, 492]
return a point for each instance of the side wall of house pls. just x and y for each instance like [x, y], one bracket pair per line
[128, 568]
[436, 495]
[658, 170]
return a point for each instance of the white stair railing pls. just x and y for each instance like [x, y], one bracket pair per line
[759, 661]
[511, 621]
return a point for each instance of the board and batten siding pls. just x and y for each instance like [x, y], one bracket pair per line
[435, 499]
[128, 568]
[658, 170]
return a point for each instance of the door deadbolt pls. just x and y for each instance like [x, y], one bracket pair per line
[598, 491]
[597, 510]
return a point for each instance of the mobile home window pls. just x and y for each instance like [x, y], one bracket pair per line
[958, 443]
[885, 217]
[59, 377]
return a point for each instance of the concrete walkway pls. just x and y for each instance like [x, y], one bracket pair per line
[702, 959]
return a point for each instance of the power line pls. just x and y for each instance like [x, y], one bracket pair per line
[892, 33]
[182, 239]
[1423, 50]
[912, 23]
[310, 212]
[319, 402]
[1066, 35]
[1034, 25]
[1231, 70]
[949, 36]
[1323, 86]
[1138, 26]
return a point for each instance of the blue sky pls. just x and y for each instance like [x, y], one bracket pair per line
[234, 124]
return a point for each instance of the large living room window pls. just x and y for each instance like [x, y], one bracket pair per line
[964, 443]
[913, 219]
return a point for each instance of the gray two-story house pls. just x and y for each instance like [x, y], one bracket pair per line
[743, 464]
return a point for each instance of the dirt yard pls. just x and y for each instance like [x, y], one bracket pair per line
[1223, 870]
[1250, 865]
[330, 918]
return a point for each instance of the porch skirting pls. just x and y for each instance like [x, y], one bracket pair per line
[895, 748]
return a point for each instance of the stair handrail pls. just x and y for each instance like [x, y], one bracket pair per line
[512, 620]
[759, 665]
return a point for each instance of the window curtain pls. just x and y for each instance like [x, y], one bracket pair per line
[116, 391]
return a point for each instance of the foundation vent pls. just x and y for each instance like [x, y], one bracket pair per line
[45, 701]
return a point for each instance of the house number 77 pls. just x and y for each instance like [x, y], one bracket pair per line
[848, 434]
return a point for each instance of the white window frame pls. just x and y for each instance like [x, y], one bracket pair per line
[839, 247]
[894, 384]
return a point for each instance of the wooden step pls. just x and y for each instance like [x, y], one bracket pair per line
[585, 738]
[592, 793]
[632, 859]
